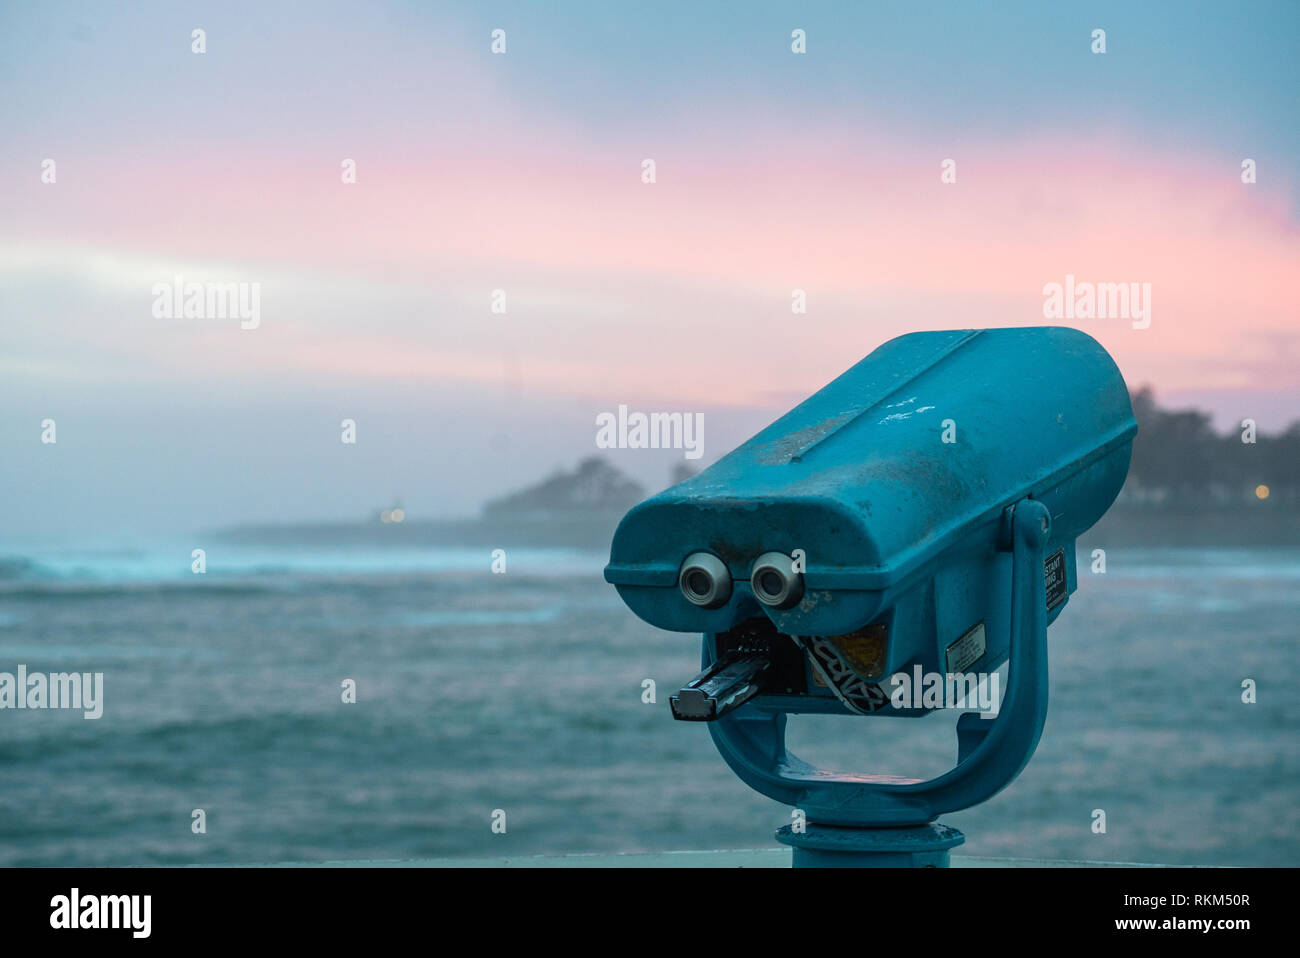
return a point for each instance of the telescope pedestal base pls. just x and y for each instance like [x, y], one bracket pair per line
[845, 846]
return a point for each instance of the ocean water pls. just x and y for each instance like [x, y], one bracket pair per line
[523, 692]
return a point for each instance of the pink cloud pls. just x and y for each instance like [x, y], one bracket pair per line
[683, 288]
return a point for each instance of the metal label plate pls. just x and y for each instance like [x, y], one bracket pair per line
[1054, 578]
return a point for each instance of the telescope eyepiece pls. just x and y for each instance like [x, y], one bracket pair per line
[774, 581]
[704, 580]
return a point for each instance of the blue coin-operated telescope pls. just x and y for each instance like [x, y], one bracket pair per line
[914, 518]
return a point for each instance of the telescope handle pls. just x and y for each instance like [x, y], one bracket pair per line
[752, 741]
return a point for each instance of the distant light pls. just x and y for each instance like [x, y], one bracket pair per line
[1261, 492]
[397, 515]
[385, 516]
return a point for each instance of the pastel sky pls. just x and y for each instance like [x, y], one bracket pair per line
[522, 172]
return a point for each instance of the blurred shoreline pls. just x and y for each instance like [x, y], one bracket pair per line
[1265, 525]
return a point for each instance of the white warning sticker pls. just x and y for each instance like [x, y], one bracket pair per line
[963, 653]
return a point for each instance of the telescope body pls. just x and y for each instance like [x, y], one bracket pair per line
[898, 527]
[915, 517]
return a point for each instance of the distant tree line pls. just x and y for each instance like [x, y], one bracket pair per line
[1179, 460]
[593, 486]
